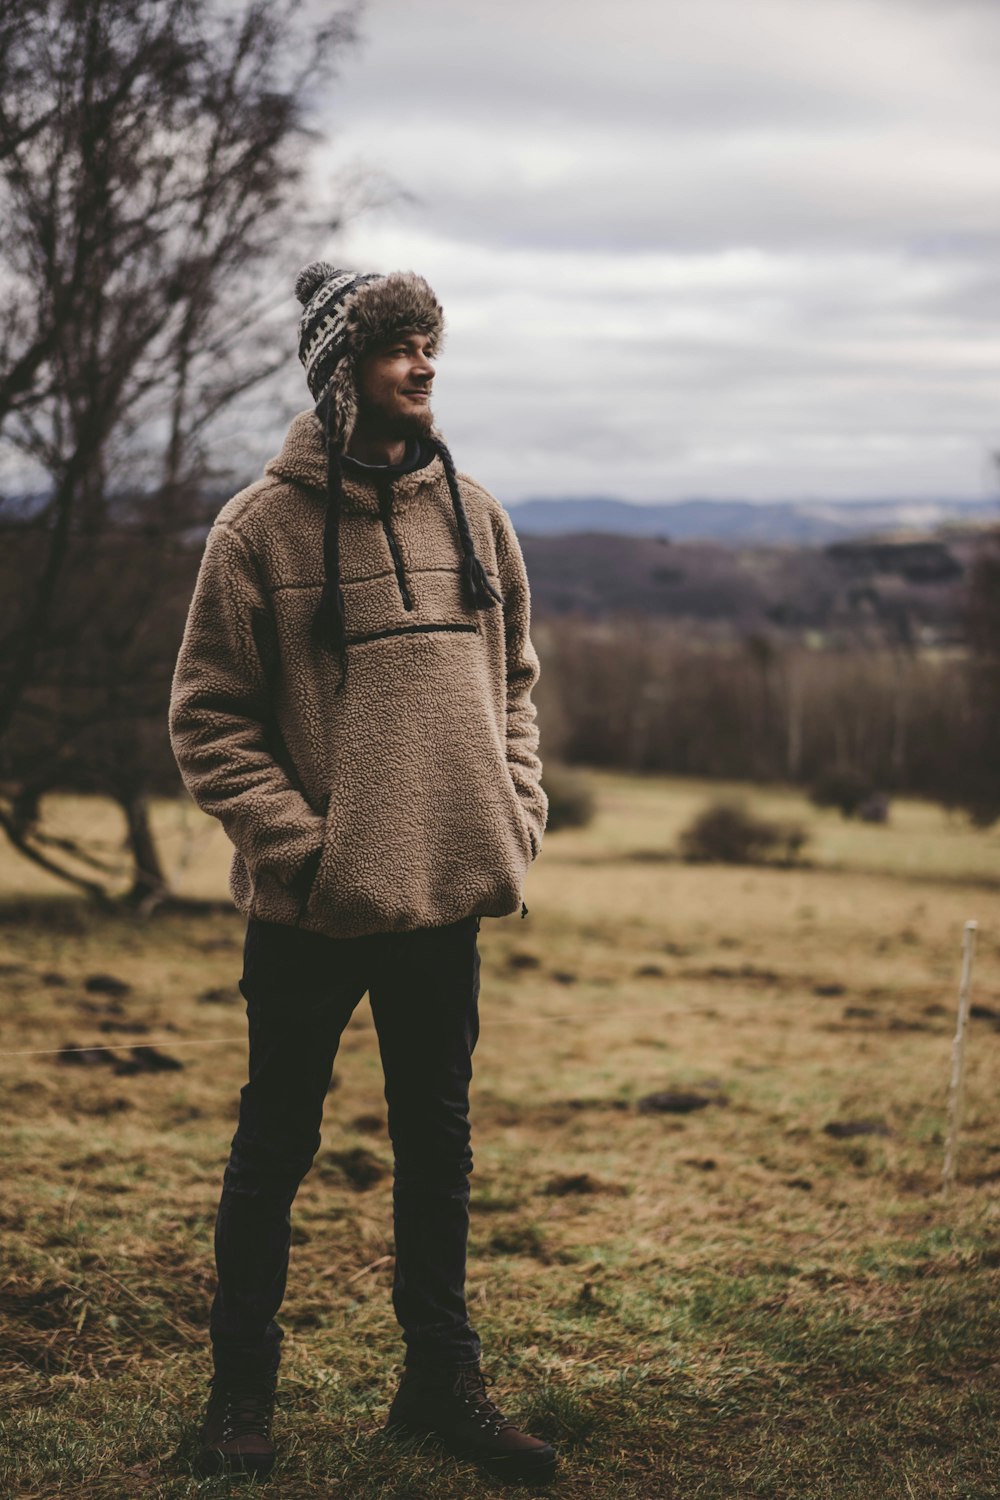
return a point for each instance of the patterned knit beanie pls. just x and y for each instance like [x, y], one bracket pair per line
[345, 314]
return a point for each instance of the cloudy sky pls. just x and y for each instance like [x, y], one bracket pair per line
[694, 247]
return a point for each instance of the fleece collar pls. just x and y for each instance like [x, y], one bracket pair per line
[302, 461]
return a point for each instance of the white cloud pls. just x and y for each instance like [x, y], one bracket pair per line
[743, 247]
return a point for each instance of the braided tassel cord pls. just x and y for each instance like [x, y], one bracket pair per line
[480, 590]
[330, 621]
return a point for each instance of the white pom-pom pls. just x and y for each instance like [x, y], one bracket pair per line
[311, 278]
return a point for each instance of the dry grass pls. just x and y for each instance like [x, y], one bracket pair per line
[729, 1303]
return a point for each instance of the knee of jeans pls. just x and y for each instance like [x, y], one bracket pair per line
[429, 1136]
[443, 1172]
[268, 1164]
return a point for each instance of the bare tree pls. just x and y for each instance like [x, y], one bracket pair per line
[152, 206]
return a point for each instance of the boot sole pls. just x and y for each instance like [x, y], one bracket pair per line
[210, 1464]
[534, 1468]
[537, 1466]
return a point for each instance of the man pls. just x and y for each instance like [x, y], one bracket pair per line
[352, 699]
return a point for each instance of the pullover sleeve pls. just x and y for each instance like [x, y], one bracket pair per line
[522, 673]
[219, 710]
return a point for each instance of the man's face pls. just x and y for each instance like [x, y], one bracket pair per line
[394, 387]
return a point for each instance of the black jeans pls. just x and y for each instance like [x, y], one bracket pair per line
[301, 989]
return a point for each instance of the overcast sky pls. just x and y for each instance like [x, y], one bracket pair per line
[694, 247]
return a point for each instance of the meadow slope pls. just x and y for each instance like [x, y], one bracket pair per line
[729, 1302]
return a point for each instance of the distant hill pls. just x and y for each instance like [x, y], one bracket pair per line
[742, 523]
[904, 589]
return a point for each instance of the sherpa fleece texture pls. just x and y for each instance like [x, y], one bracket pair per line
[413, 798]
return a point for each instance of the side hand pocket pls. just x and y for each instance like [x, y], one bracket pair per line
[529, 832]
[305, 880]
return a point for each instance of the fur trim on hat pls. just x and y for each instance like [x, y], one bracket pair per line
[399, 303]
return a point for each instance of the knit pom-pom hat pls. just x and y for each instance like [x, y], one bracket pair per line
[344, 314]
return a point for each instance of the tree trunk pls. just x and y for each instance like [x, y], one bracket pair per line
[149, 884]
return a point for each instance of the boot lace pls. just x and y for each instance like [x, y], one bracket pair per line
[471, 1388]
[247, 1412]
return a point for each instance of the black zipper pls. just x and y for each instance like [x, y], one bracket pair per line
[384, 506]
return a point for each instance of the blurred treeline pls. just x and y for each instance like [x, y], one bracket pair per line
[155, 201]
[639, 693]
[655, 694]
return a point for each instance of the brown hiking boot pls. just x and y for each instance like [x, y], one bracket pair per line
[455, 1406]
[236, 1433]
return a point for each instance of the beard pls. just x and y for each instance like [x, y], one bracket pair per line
[388, 421]
[414, 424]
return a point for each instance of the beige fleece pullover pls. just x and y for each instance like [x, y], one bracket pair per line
[413, 797]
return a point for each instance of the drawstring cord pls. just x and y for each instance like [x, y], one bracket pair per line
[481, 592]
[330, 621]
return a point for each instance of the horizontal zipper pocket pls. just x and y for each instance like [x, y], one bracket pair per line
[377, 635]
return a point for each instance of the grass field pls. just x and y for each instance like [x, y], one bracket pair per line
[724, 1303]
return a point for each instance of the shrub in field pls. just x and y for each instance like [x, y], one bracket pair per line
[842, 786]
[875, 808]
[727, 833]
[571, 800]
